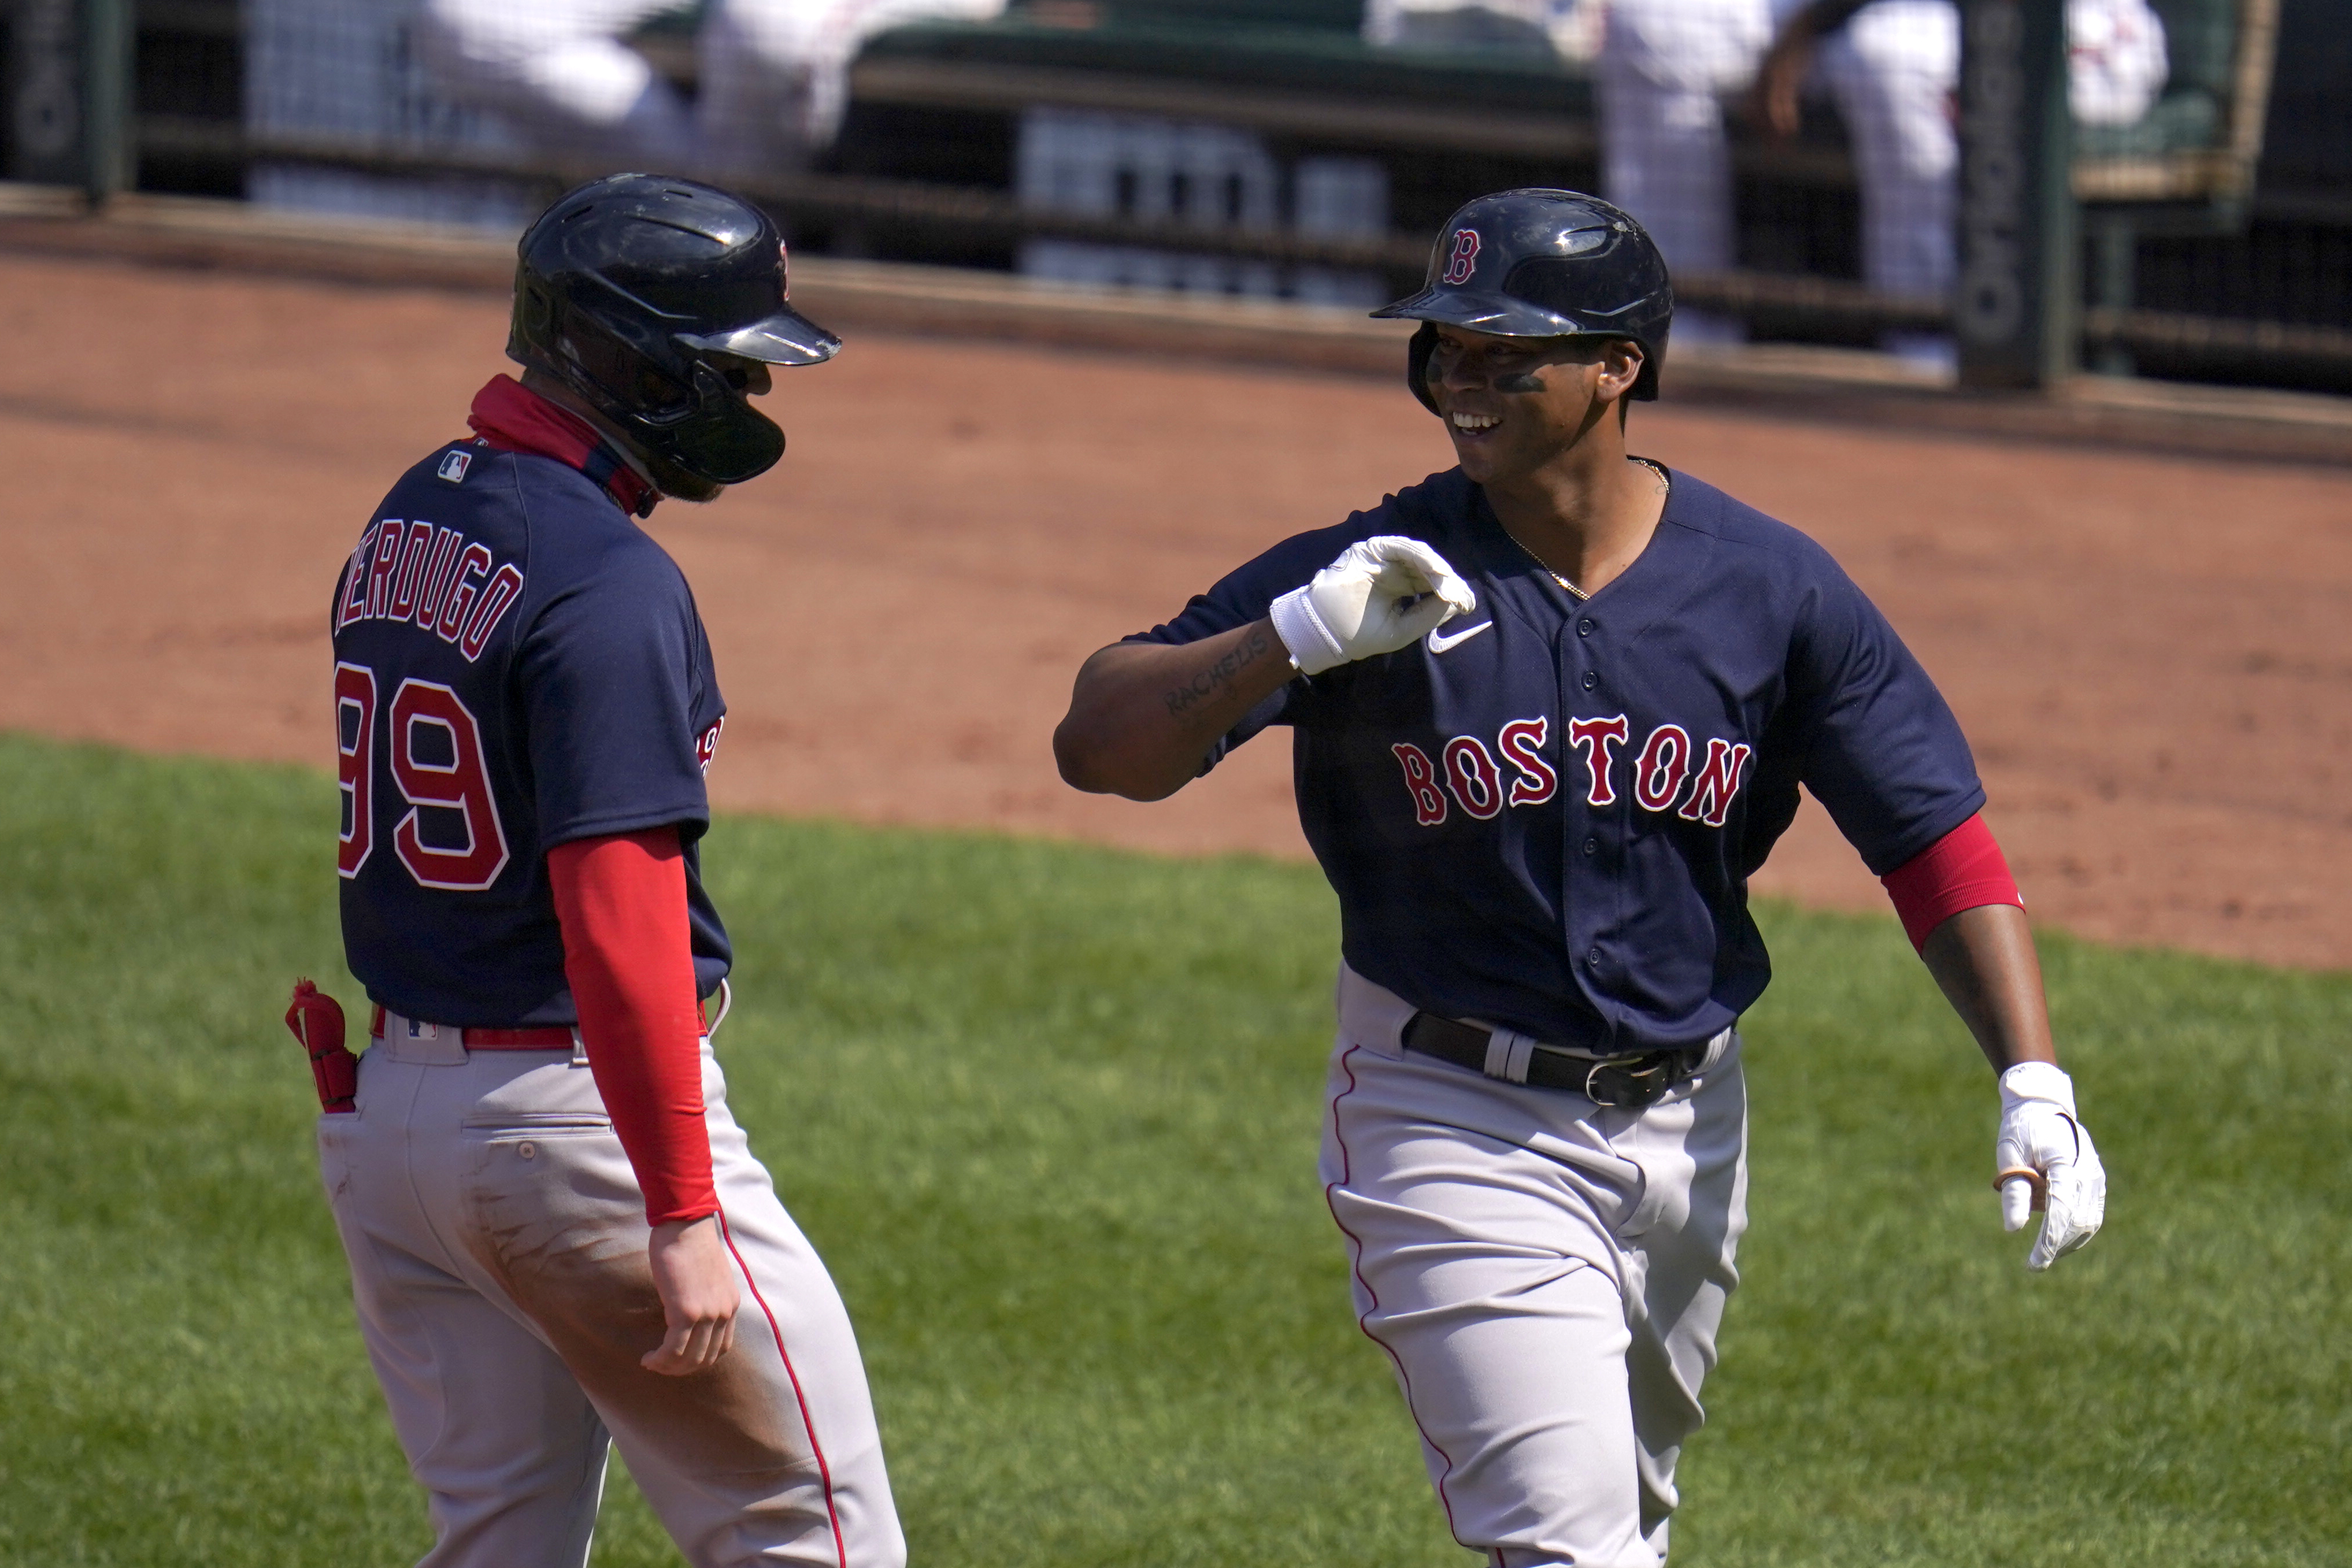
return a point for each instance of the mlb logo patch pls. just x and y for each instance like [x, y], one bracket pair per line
[453, 467]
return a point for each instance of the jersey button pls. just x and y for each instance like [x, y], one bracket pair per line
[1593, 959]
[1590, 680]
[1584, 627]
[1591, 846]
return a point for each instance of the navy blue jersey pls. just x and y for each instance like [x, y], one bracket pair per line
[1543, 815]
[517, 666]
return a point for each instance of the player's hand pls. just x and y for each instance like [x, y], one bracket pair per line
[1381, 594]
[695, 1275]
[2046, 1162]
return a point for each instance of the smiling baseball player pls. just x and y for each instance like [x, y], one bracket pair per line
[1550, 709]
[556, 1230]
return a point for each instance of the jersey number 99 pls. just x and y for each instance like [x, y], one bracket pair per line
[436, 761]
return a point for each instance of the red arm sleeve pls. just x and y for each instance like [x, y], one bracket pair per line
[622, 903]
[1963, 870]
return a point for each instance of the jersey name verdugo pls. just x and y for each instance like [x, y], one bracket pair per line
[415, 571]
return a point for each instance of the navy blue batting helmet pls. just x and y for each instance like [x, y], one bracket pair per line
[627, 285]
[1540, 263]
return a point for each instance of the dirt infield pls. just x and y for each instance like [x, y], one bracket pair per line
[2150, 654]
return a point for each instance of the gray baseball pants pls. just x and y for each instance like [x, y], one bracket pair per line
[1546, 1277]
[497, 1239]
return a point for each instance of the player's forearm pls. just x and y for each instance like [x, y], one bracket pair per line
[1772, 99]
[1143, 715]
[621, 901]
[1984, 961]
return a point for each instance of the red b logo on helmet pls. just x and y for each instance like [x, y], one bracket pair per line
[1465, 259]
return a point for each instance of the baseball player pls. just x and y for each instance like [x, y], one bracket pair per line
[1892, 66]
[1550, 709]
[556, 1229]
[1663, 67]
[772, 75]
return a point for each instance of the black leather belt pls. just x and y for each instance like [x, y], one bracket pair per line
[1619, 1082]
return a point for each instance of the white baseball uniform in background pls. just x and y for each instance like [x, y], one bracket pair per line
[1665, 65]
[774, 75]
[497, 1237]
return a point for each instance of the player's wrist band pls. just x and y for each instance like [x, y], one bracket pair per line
[1313, 649]
[2042, 1080]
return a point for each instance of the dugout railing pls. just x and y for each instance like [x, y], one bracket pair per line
[928, 162]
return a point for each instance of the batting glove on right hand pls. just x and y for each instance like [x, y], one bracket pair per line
[1356, 607]
[2045, 1160]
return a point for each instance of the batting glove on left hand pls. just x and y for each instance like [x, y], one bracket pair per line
[1356, 607]
[2045, 1160]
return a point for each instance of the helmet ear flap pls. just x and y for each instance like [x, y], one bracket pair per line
[535, 312]
[1646, 385]
[532, 332]
[1416, 364]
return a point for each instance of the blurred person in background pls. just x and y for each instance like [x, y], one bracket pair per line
[1894, 69]
[1660, 69]
[1660, 78]
[774, 75]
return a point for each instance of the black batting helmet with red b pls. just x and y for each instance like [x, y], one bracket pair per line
[627, 286]
[1539, 263]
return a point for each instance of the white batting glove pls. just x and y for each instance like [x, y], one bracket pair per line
[2045, 1160]
[1356, 607]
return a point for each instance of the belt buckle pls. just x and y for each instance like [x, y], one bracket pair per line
[1647, 1085]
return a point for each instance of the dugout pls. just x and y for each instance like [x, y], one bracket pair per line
[2191, 264]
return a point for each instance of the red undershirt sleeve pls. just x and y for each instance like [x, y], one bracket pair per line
[1963, 870]
[621, 901]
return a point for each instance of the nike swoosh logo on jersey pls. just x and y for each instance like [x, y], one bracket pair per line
[1439, 642]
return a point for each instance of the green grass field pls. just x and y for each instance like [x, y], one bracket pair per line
[1051, 1114]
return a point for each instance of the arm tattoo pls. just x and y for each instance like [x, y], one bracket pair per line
[1212, 680]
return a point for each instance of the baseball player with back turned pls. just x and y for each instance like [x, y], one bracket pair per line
[556, 1229]
[1550, 710]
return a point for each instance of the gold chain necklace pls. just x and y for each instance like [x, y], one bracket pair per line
[1570, 588]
